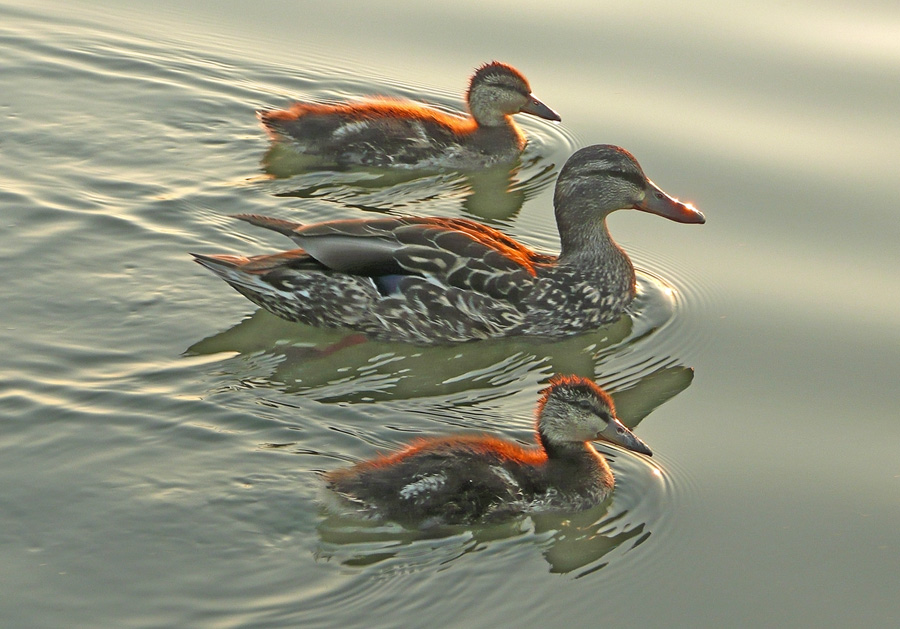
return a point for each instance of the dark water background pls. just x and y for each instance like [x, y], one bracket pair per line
[160, 439]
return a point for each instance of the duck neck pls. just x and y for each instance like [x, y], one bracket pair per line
[576, 468]
[567, 452]
[487, 115]
[584, 237]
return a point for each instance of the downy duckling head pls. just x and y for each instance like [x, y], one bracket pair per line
[498, 91]
[574, 410]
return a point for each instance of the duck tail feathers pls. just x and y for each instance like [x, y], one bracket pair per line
[233, 269]
[275, 224]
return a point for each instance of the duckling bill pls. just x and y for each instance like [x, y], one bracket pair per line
[428, 280]
[404, 134]
[473, 479]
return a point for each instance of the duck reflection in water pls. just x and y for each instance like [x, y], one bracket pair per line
[579, 543]
[330, 366]
[491, 194]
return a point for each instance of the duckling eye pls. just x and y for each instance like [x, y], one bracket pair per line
[585, 404]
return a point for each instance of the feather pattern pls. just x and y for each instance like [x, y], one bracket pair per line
[469, 479]
[400, 134]
[446, 280]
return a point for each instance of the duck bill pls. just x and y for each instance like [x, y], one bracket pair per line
[539, 109]
[616, 432]
[658, 202]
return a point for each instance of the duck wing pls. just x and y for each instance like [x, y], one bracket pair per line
[450, 251]
[449, 480]
[377, 133]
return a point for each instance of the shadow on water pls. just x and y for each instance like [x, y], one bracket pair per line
[330, 366]
[494, 194]
[308, 359]
[368, 371]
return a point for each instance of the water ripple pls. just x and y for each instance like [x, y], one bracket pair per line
[154, 144]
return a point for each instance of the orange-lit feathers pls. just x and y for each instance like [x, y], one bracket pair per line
[383, 109]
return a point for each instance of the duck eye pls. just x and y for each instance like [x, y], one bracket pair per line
[585, 404]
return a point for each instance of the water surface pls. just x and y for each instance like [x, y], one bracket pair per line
[161, 438]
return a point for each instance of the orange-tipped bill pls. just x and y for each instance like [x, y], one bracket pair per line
[658, 202]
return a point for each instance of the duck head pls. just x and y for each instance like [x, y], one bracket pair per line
[604, 178]
[574, 410]
[497, 91]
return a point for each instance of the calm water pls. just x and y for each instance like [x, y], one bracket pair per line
[160, 438]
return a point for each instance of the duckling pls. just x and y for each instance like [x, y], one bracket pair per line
[449, 280]
[472, 479]
[404, 134]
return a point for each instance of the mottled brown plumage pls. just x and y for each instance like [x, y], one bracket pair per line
[404, 134]
[469, 479]
[447, 280]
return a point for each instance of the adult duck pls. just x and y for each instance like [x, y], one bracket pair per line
[394, 133]
[472, 479]
[447, 280]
